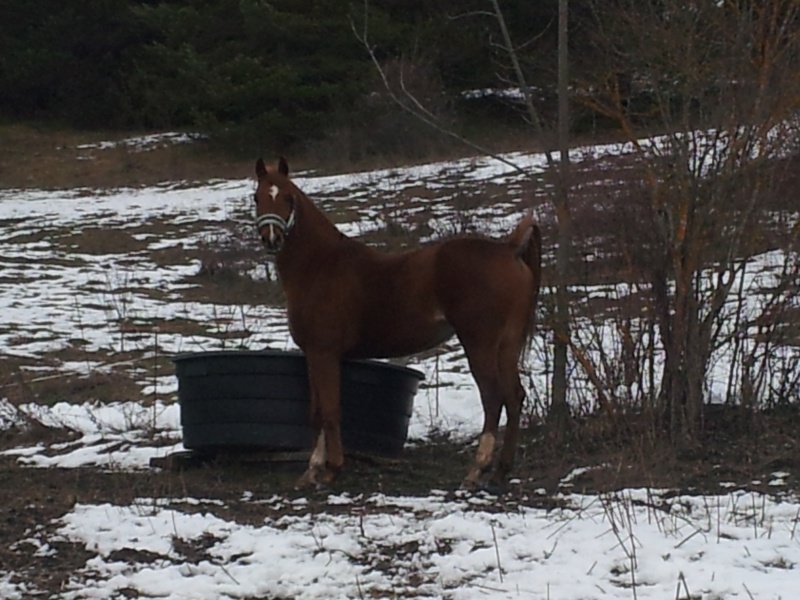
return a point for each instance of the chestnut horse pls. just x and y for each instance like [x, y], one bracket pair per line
[348, 300]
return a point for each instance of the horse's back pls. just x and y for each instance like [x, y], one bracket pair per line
[467, 262]
[415, 300]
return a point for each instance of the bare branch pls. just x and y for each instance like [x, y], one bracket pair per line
[413, 106]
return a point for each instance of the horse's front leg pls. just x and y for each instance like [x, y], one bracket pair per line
[316, 462]
[327, 456]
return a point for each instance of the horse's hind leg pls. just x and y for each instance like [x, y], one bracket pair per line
[514, 397]
[483, 365]
[497, 376]
[327, 457]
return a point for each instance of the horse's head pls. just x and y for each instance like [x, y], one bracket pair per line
[274, 204]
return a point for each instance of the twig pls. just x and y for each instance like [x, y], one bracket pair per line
[496, 551]
[629, 553]
[690, 536]
[155, 379]
[744, 585]
[547, 554]
[224, 570]
[361, 523]
[682, 580]
[438, 384]
[632, 554]
[578, 515]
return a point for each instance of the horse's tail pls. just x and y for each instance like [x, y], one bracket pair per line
[526, 240]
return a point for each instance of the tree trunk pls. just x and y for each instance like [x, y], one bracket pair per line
[559, 410]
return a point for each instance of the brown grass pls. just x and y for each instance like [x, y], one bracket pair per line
[43, 158]
[20, 386]
[95, 240]
[35, 156]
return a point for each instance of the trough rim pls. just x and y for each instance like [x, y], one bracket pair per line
[274, 352]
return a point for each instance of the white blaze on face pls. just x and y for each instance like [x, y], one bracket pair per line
[273, 193]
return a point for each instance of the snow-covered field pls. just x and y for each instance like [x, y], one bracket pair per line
[636, 544]
[633, 544]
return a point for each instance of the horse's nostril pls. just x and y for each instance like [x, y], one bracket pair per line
[272, 245]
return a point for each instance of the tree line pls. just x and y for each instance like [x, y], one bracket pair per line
[283, 71]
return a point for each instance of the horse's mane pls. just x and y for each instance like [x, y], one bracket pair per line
[306, 207]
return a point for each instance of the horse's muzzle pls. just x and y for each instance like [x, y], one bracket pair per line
[271, 244]
[272, 230]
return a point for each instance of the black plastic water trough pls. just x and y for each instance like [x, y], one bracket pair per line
[258, 400]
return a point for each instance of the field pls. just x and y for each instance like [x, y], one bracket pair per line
[117, 256]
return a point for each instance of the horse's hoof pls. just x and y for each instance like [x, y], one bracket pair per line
[306, 480]
[470, 485]
[329, 475]
[492, 487]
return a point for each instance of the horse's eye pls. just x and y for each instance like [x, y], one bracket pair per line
[255, 198]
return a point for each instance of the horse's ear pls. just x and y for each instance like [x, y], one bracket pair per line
[283, 167]
[261, 168]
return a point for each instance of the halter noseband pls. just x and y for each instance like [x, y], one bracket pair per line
[276, 220]
[272, 220]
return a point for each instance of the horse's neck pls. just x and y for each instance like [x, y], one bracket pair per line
[313, 234]
[319, 229]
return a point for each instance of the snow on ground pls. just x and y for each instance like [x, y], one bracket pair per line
[146, 142]
[442, 547]
[634, 544]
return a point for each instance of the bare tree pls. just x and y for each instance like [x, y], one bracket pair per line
[715, 84]
[718, 83]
